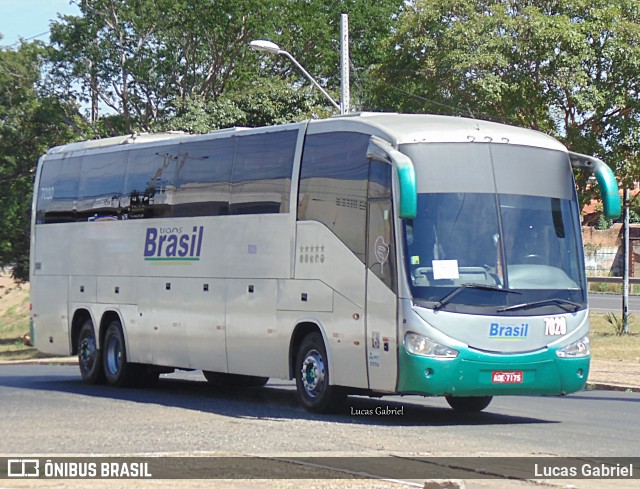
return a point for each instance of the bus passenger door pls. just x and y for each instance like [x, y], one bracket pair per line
[381, 303]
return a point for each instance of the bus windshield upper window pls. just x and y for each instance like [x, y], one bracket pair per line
[523, 230]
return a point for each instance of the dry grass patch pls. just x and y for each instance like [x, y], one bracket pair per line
[605, 345]
[14, 321]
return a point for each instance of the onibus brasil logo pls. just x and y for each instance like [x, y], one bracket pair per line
[172, 244]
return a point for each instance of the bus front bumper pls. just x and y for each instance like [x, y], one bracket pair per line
[475, 373]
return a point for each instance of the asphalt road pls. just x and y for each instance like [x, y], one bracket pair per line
[612, 303]
[48, 410]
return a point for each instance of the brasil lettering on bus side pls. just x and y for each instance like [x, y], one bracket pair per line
[172, 244]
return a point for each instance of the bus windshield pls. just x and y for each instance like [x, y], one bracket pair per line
[525, 244]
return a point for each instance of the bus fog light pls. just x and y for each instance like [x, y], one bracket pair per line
[421, 345]
[579, 349]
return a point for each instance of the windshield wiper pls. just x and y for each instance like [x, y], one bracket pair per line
[447, 298]
[563, 302]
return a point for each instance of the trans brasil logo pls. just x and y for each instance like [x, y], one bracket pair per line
[167, 244]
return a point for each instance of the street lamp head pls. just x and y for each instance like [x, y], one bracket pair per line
[273, 48]
[268, 46]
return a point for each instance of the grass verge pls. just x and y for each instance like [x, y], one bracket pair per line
[14, 324]
[605, 345]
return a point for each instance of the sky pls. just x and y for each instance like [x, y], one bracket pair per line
[28, 18]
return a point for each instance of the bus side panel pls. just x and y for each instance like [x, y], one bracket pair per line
[347, 342]
[320, 255]
[49, 294]
[204, 313]
[162, 320]
[382, 334]
[254, 342]
[82, 289]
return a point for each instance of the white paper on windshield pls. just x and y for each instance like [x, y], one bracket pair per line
[445, 269]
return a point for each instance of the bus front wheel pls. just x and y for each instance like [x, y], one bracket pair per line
[89, 357]
[117, 370]
[312, 377]
[469, 404]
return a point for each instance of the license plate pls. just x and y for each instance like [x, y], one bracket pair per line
[506, 377]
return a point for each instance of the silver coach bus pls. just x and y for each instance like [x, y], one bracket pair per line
[363, 254]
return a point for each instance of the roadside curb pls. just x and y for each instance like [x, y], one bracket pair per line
[599, 386]
[43, 361]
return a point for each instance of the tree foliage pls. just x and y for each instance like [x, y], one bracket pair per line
[145, 59]
[565, 67]
[29, 125]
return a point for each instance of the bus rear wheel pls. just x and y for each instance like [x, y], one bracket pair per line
[469, 404]
[89, 357]
[118, 372]
[312, 377]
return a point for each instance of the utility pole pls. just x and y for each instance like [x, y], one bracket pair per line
[625, 273]
[345, 96]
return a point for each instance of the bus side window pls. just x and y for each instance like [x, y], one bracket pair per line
[101, 184]
[261, 176]
[381, 241]
[149, 185]
[58, 190]
[333, 185]
[203, 183]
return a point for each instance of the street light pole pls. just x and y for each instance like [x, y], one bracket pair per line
[273, 48]
[345, 97]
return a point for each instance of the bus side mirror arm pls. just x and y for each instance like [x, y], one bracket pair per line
[382, 151]
[606, 182]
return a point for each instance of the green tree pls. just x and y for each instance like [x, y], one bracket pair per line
[565, 67]
[29, 125]
[145, 60]
[266, 101]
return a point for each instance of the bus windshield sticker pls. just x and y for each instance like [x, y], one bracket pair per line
[445, 269]
[415, 260]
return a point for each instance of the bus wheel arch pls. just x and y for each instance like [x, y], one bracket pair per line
[299, 333]
[85, 345]
[80, 317]
[313, 377]
[118, 371]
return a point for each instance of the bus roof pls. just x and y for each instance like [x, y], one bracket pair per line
[416, 128]
[395, 128]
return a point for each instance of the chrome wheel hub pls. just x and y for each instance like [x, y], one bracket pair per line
[313, 374]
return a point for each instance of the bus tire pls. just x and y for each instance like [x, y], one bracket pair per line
[117, 371]
[89, 357]
[312, 377]
[469, 404]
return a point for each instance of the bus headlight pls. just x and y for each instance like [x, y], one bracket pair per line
[578, 349]
[423, 346]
